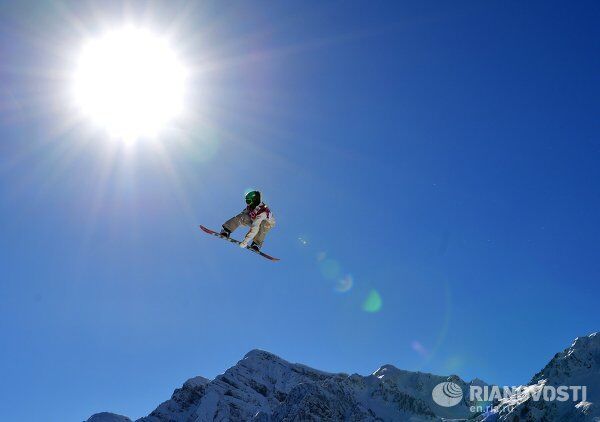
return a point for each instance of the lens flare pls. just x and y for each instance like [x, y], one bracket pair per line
[419, 348]
[344, 284]
[303, 241]
[373, 302]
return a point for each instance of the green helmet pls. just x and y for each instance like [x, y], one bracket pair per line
[253, 198]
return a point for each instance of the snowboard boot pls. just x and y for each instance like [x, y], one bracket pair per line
[255, 247]
[225, 233]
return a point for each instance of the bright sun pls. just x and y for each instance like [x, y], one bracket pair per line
[130, 82]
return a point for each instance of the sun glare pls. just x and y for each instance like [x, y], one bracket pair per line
[129, 82]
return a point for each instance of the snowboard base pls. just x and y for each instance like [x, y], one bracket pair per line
[237, 242]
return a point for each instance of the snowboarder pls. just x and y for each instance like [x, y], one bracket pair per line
[257, 216]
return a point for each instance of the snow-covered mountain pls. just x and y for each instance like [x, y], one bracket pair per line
[578, 365]
[265, 388]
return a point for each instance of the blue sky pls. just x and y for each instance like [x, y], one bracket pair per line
[445, 156]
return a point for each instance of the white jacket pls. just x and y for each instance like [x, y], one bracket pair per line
[258, 215]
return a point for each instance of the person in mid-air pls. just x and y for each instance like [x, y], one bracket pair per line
[256, 215]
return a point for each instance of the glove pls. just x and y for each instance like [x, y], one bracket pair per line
[244, 244]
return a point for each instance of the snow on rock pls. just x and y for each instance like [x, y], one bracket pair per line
[353, 398]
[578, 365]
[108, 417]
[263, 387]
[257, 383]
[420, 385]
[581, 361]
[182, 404]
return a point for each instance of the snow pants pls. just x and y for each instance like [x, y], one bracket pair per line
[243, 219]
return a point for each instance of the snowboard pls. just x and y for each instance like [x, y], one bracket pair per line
[237, 242]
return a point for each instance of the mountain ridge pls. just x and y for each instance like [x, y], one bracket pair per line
[263, 387]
